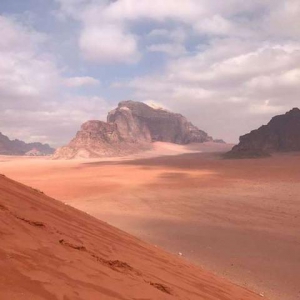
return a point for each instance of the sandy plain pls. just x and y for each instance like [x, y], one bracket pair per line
[52, 251]
[237, 218]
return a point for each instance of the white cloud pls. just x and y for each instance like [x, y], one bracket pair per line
[108, 44]
[229, 18]
[178, 34]
[214, 25]
[229, 62]
[174, 46]
[25, 77]
[253, 81]
[265, 108]
[105, 35]
[81, 81]
[13, 35]
[172, 49]
[32, 104]
[283, 19]
[158, 32]
[157, 10]
[244, 66]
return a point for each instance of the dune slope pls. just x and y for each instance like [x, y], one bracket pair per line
[49, 250]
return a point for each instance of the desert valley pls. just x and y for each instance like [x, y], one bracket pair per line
[149, 150]
[237, 218]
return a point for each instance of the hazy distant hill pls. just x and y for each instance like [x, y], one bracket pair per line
[17, 147]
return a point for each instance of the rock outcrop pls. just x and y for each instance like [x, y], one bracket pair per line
[131, 128]
[97, 139]
[137, 121]
[17, 147]
[281, 134]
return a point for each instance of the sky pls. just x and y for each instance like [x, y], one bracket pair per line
[228, 66]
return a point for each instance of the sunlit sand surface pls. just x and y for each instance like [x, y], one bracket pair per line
[238, 218]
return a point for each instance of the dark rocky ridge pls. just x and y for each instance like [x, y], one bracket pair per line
[17, 147]
[131, 128]
[281, 134]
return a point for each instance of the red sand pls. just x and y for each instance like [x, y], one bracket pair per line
[51, 251]
[237, 218]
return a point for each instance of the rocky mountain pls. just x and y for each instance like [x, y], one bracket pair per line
[130, 128]
[17, 147]
[137, 121]
[97, 139]
[281, 134]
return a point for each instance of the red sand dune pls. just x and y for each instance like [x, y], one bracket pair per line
[49, 250]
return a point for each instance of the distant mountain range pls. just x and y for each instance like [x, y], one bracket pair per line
[133, 126]
[17, 147]
[130, 128]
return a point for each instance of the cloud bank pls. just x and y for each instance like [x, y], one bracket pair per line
[229, 66]
[33, 105]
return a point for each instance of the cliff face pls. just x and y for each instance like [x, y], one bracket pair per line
[281, 134]
[96, 139]
[139, 122]
[131, 128]
[17, 147]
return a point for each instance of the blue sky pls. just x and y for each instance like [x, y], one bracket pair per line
[227, 66]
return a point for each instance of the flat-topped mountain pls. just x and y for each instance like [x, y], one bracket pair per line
[17, 147]
[281, 134]
[130, 128]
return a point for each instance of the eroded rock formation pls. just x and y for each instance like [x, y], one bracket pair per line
[97, 139]
[137, 121]
[130, 128]
[281, 134]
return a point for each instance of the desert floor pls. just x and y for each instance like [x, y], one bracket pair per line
[237, 218]
[52, 251]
